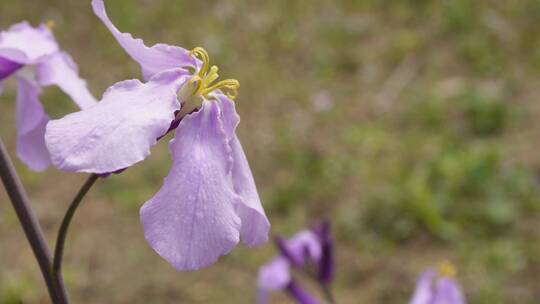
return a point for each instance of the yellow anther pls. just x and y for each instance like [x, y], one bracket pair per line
[230, 84]
[212, 75]
[447, 269]
[201, 53]
[207, 75]
[50, 24]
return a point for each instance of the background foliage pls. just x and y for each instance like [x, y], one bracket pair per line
[412, 125]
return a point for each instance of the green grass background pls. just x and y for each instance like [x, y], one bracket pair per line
[412, 125]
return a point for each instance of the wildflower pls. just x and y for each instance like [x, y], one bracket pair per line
[310, 252]
[438, 287]
[209, 199]
[32, 55]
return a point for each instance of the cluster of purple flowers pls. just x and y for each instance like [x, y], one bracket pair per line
[208, 201]
[35, 65]
[309, 252]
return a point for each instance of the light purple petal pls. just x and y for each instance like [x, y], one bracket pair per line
[191, 221]
[59, 69]
[118, 131]
[155, 59]
[24, 44]
[274, 275]
[255, 224]
[424, 292]
[8, 67]
[448, 292]
[304, 244]
[31, 122]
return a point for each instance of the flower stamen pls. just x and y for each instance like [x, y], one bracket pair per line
[208, 75]
[201, 53]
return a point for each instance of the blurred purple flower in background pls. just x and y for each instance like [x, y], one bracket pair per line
[310, 252]
[438, 287]
[32, 55]
[209, 199]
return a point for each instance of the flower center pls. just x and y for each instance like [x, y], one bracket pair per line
[50, 24]
[447, 269]
[204, 80]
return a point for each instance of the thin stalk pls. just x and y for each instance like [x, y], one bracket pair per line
[30, 224]
[62, 232]
[327, 291]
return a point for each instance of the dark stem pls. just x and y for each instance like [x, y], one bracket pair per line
[30, 224]
[327, 291]
[62, 232]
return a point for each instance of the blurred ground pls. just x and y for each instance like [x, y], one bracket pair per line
[412, 125]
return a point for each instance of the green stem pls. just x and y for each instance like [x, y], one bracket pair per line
[62, 232]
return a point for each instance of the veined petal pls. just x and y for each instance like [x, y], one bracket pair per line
[255, 224]
[118, 131]
[59, 69]
[159, 57]
[15, 46]
[273, 276]
[8, 67]
[448, 292]
[31, 121]
[191, 221]
[423, 294]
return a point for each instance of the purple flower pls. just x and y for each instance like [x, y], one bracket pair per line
[32, 55]
[309, 251]
[438, 287]
[209, 199]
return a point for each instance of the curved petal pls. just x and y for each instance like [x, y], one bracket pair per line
[118, 131]
[155, 59]
[304, 244]
[31, 121]
[191, 221]
[423, 294]
[8, 67]
[448, 292]
[255, 224]
[300, 294]
[14, 44]
[59, 69]
[273, 276]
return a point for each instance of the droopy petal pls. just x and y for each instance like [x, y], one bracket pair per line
[273, 276]
[448, 292]
[423, 294]
[59, 69]
[15, 46]
[8, 67]
[118, 131]
[31, 121]
[159, 57]
[255, 224]
[191, 221]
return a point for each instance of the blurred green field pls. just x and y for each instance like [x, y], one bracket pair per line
[412, 125]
